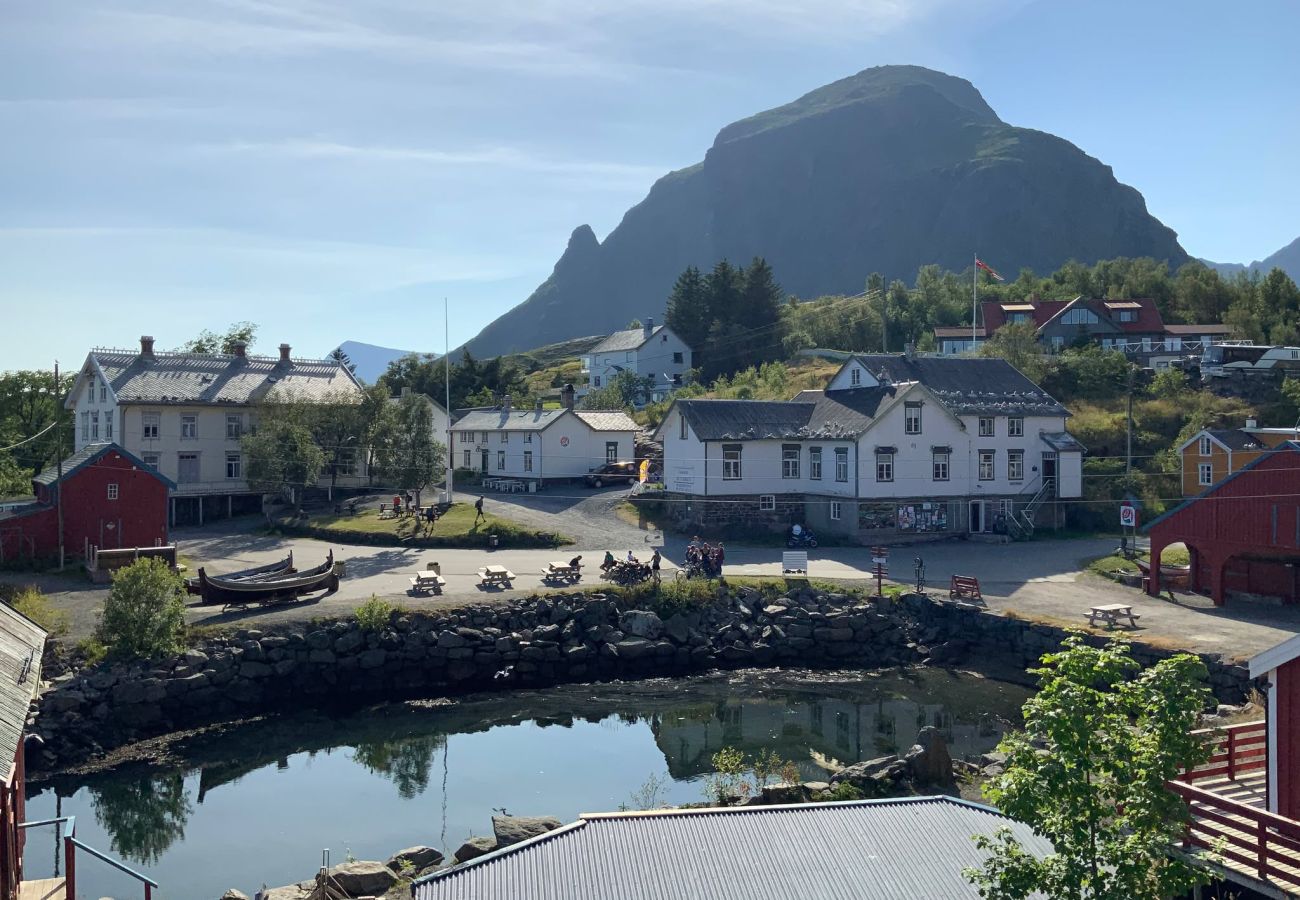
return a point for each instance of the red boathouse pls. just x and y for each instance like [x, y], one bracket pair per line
[1242, 534]
[111, 498]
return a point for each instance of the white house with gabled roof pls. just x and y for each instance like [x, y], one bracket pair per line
[652, 351]
[895, 446]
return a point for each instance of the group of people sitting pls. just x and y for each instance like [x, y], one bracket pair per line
[705, 558]
[610, 565]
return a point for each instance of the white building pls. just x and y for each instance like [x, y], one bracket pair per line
[895, 446]
[652, 351]
[438, 418]
[541, 444]
[184, 414]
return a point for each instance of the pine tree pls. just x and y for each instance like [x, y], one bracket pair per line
[761, 300]
[688, 309]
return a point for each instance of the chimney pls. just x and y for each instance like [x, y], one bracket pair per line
[505, 403]
[649, 325]
[146, 346]
[284, 353]
[538, 405]
[566, 396]
[241, 349]
[1252, 422]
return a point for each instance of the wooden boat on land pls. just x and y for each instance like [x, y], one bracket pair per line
[269, 588]
[1166, 570]
[258, 573]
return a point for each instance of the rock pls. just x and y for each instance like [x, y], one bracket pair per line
[633, 648]
[641, 623]
[677, 628]
[929, 760]
[415, 859]
[349, 641]
[782, 793]
[300, 891]
[513, 829]
[474, 848]
[860, 773]
[813, 788]
[233, 894]
[363, 878]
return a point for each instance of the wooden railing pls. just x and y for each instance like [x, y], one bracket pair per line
[1234, 750]
[1255, 840]
[68, 826]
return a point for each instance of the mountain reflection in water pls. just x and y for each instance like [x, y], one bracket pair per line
[256, 803]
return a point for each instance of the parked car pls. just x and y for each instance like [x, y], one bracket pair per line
[612, 473]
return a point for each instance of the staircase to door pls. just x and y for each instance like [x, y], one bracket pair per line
[1020, 523]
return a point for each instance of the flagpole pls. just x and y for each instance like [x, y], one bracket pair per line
[446, 368]
[974, 291]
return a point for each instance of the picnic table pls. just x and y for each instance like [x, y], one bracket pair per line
[426, 582]
[491, 576]
[562, 571]
[1111, 613]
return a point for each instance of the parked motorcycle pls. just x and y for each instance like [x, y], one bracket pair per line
[804, 538]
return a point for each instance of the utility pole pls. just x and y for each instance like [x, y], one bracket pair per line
[446, 366]
[1128, 447]
[58, 453]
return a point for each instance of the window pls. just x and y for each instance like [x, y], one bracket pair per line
[884, 467]
[90, 391]
[505, 437]
[1206, 446]
[815, 463]
[912, 418]
[501, 460]
[789, 460]
[595, 381]
[841, 463]
[1058, 343]
[346, 465]
[627, 357]
[1079, 317]
[108, 425]
[1127, 315]
[1015, 427]
[234, 427]
[987, 458]
[466, 461]
[482, 438]
[611, 451]
[150, 460]
[189, 427]
[939, 465]
[835, 510]
[94, 425]
[528, 437]
[678, 358]
[149, 426]
[767, 503]
[1016, 465]
[986, 426]
[682, 431]
[855, 376]
[85, 426]
[528, 460]
[1205, 474]
[1018, 318]
[1174, 343]
[187, 467]
[235, 466]
[112, 492]
[731, 462]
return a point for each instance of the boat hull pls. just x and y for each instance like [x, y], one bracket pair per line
[269, 588]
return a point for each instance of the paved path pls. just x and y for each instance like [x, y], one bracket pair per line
[1040, 580]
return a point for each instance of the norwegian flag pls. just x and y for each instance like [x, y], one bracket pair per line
[980, 264]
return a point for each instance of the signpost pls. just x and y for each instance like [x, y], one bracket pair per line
[1128, 516]
[879, 560]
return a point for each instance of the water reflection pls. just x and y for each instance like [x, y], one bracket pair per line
[144, 816]
[407, 763]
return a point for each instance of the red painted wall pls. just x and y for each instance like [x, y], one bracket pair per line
[1286, 727]
[1258, 510]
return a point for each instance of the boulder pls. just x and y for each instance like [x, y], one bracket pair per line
[474, 848]
[861, 773]
[929, 760]
[677, 628]
[233, 894]
[363, 878]
[414, 859]
[782, 793]
[642, 623]
[301, 891]
[513, 829]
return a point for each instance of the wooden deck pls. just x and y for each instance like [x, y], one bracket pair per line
[42, 889]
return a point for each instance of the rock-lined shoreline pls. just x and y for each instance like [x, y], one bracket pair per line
[532, 642]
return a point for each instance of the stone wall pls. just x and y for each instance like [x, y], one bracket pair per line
[733, 513]
[531, 642]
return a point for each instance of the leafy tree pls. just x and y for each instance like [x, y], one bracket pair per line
[144, 613]
[211, 342]
[406, 454]
[626, 390]
[634, 324]
[1018, 345]
[1102, 738]
[29, 403]
[281, 454]
[1087, 372]
[473, 382]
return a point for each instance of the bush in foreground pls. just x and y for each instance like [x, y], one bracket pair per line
[36, 606]
[144, 614]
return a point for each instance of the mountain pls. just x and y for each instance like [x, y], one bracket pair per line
[888, 170]
[370, 360]
[1287, 259]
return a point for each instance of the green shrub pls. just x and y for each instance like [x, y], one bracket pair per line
[845, 791]
[37, 607]
[375, 614]
[92, 650]
[144, 614]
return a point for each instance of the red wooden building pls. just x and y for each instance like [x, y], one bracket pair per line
[111, 499]
[1243, 534]
[21, 644]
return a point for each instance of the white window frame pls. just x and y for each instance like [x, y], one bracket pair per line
[198, 466]
[151, 460]
[842, 464]
[683, 432]
[884, 467]
[732, 459]
[528, 460]
[1016, 426]
[194, 430]
[992, 428]
[150, 426]
[911, 418]
[528, 437]
[790, 463]
[611, 451]
[988, 462]
[482, 438]
[505, 437]
[835, 510]
[108, 425]
[767, 502]
[1206, 446]
[94, 425]
[815, 463]
[468, 463]
[855, 376]
[237, 421]
[235, 465]
[103, 392]
[595, 381]
[501, 460]
[1015, 465]
[940, 466]
[85, 426]
[113, 491]
[1205, 474]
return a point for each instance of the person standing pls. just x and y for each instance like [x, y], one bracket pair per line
[478, 511]
[654, 565]
[719, 557]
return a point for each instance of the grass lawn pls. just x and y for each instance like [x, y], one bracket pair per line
[454, 525]
[1175, 555]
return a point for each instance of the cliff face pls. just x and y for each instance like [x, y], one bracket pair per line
[891, 169]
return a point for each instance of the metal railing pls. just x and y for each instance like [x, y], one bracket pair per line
[67, 827]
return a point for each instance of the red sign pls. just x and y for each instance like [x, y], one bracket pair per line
[1128, 516]
[564, 442]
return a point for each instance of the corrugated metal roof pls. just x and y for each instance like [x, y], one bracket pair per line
[631, 339]
[219, 379]
[906, 849]
[600, 420]
[21, 644]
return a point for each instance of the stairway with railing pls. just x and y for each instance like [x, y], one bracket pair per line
[66, 827]
[1020, 524]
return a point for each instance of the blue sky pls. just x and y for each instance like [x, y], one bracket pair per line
[331, 169]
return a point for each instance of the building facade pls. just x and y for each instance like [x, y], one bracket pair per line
[1212, 454]
[652, 352]
[184, 414]
[896, 446]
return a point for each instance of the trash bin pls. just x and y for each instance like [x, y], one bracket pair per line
[435, 568]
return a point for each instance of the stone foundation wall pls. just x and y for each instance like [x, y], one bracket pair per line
[737, 513]
[532, 642]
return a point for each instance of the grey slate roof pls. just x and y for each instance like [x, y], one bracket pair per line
[21, 644]
[514, 420]
[91, 452]
[607, 421]
[1062, 440]
[1237, 439]
[219, 379]
[632, 339]
[905, 849]
[810, 415]
[968, 385]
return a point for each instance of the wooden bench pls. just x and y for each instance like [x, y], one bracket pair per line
[965, 587]
[1111, 613]
[794, 562]
[427, 582]
[493, 576]
[562, 572]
